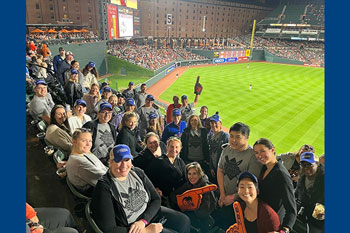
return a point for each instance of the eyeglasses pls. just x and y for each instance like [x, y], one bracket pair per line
[305, 165]
[308, 148]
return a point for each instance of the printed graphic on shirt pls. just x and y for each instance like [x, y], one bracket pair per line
[106, 137]
[134, 200]
[231, 168]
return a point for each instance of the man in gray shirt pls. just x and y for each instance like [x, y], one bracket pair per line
[140, 97]
[237, 157]
[42, 103]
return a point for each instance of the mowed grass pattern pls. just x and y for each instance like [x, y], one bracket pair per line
[285, 105]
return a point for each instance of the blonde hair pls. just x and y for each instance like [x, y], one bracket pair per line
[173, 139]
[125, 118]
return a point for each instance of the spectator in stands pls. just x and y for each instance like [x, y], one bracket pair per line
[64, 66]
[127, 134]
[73, 89]
[170, 108]
[154, 125]
[45, 51]
[196, 178]
[204, 117]
[103, 133]
[140, 96]
[174, 128]
[106, 93]
[92, 98]
[129, 107]
[215, 141]
[84, 168]
[144, 112]
[148, 156]
[195, 144]
[310, 191]
[42, 72]
[58, 132]
[124, 183]
[75, 65]
[187, 109]
[291, 160]
[275, 184]
[50, 219]
[119, 106]
[321, 159]
[236, 157]
[79, 117]
[90, 75]
[258, 216]
[42, 103]
[130, 92]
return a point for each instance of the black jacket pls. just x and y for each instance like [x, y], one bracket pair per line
[185, 138]
[108, 212]
[73, 92]
[316, 194]
[93, 126]
[128, 137]
[62, 67]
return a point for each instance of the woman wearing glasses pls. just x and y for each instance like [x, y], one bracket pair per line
[291, 160]
[83, 167]
[275, 184]
[58, 132]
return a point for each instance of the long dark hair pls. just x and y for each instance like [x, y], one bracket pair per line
[93, 71]
[65, 125]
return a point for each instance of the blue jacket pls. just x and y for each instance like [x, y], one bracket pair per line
[172, 129]
[56, 61]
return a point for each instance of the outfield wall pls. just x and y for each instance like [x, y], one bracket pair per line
[84, 53]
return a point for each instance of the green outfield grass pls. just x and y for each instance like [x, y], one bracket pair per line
[285, 105]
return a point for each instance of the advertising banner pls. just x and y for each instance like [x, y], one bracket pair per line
[126, 25]
[112, 14]
[126, 3]
[171, 68]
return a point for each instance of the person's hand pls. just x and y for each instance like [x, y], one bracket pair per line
[160, 193]
[61, 164]
[137, 227]
[228, 200]
[221, 200]
[153, 228]
[212, 172]
[69, 113]
[295, 178]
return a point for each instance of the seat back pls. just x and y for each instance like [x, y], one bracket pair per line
[75, 191]
[90, 219]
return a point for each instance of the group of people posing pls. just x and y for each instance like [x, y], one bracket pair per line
[139, 167]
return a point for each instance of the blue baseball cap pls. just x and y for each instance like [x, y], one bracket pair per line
[80, 102]
[307, 157]
[73, 71]
[121, 152]
[249, 175]
[184, 97]
[215, 117]
[150, 97]
[131, 83]
[176, 112]
[152, 116]
[105, 105]
[106, 89]
[130, 101]
[42, 82]
[91, 64]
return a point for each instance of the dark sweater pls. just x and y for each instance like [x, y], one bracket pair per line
[128, 137]
[108, 212]
[185, 139]
[276, 189]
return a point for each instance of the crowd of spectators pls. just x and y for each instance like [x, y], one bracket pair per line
[315, 14]
[63, 38]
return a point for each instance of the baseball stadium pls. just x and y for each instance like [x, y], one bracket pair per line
[175, 116]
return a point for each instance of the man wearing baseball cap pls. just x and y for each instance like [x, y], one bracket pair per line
[64, 66]
[58, 59]
[79, 117]
[310, 191]
[130, 92]
[41, 104]
[187, 109]
[103, 133]
[174, 128]
[148, 108]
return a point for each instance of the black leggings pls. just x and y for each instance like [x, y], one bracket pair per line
[176, 221]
